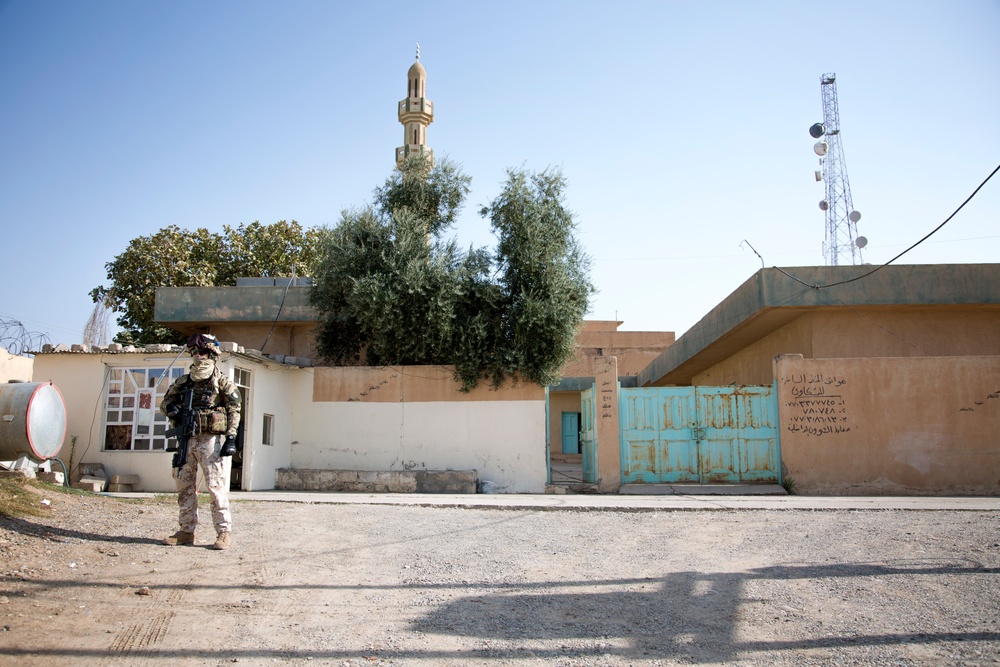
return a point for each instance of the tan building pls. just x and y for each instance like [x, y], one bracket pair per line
[888, 382]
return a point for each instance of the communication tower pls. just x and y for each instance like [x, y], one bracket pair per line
[841, 245]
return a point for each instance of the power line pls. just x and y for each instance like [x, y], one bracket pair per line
[929, 234]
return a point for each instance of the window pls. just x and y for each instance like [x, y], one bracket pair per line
[241, 378]
[267, 431]
[132, 417]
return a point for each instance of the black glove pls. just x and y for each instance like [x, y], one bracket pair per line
[229, 447]
[173, 413]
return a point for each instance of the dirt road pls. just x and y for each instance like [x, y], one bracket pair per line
[308, 584]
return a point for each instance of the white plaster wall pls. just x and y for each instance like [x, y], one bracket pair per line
[503, 440]
[271, 393]
[80, 378]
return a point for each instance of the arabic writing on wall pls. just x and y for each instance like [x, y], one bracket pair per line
[818, 406]
[606, 398]
[992, 395]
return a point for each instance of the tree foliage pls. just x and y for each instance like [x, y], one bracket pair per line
[390, 290]
[175, 257]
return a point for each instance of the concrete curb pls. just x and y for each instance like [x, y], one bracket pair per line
[620, 503]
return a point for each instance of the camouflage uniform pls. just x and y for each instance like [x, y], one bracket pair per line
[220, 395]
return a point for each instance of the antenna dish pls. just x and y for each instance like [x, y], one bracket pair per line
[820, 148]
[861, 241]
[817, 131]
[854, 216]
[823, 205]
[819, 175]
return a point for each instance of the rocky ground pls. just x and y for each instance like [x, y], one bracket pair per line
[89, 584]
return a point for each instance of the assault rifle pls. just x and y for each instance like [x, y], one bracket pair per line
[186, 422]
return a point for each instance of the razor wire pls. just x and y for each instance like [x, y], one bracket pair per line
[18, 341]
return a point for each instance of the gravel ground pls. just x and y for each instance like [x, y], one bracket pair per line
[350, 585]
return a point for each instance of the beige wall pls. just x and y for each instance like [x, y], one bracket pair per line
[897, 331]
[903, 425]
[560, 402]
[14, 367]
[907, 331]
[393, 384]
[754, 364]
[415, 417]
[293, 341]
[633, 349]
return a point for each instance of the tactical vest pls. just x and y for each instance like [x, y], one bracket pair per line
[212, 416]
[203, 393]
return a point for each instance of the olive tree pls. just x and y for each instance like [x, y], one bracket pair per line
[391, 290]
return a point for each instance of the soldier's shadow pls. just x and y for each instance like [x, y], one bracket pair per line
[55, 534]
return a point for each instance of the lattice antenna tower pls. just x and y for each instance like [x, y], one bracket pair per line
[841, 244]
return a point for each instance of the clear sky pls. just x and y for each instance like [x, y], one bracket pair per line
[682, 128]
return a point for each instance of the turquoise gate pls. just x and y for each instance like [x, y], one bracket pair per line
[588, 434]
[699, 435]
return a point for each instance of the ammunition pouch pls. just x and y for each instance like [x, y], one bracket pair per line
[213, 421]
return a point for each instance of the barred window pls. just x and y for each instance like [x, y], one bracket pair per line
[132, 417]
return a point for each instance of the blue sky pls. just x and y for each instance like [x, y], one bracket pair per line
[682, 128]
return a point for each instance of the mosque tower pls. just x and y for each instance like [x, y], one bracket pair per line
[416, 112]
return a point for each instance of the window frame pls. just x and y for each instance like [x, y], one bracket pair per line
[131, 411]
[267, 430]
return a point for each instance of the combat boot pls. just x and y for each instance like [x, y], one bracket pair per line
[222, 541]
[180, 538]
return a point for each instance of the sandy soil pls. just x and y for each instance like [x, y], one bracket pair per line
[311, 584]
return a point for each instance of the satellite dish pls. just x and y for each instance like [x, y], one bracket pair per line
[854, 216]
[819, 175]
[823, 205]
[820, 148]
[817, 131]
[861, 241]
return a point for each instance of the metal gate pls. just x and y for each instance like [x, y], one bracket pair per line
[588, 434]
[699, 434]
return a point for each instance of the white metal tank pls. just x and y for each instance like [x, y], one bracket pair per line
[32, 420]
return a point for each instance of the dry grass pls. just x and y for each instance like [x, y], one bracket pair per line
[20, 496]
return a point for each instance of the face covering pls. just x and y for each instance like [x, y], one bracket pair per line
[202, 369]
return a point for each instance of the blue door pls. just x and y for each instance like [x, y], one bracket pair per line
[571, 433]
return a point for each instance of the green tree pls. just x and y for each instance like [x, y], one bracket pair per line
[385, 282]
[544, 276]
[390, 290]
[175, 257]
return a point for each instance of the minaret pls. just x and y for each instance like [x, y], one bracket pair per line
[416, 112]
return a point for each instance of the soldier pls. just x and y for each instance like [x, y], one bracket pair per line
[216, 402]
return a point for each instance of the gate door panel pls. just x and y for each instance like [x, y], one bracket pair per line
[719, 460]
[711, 435]
[588, 434]
[658, 444]
[757, 412]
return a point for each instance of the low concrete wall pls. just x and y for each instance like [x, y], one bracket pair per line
[378, 481]
[890, 425]
[14, 367]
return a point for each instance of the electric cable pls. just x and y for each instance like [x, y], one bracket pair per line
[881, 266]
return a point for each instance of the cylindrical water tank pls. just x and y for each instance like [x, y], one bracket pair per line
[32, 420]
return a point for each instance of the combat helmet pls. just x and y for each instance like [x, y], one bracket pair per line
[203, 343]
